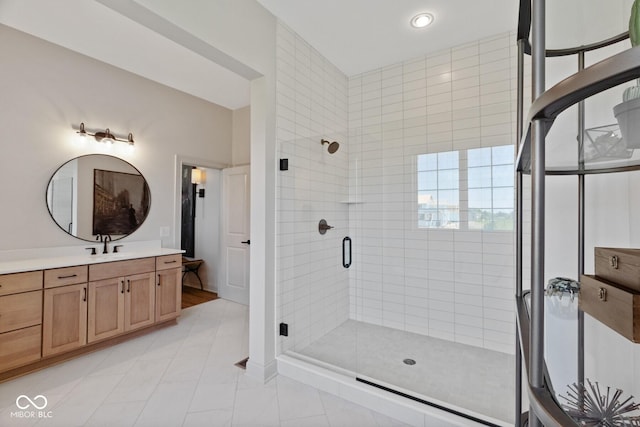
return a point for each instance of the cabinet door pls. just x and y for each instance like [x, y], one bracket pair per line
[64, 325]
[168, 294]
[139, 301]
[106, 309]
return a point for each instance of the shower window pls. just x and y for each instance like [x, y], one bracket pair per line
[438, 190]
[487, 181]
[490, 188]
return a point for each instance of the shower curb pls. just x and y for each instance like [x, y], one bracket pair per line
[348, 388]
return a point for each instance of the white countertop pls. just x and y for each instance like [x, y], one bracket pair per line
[46, 259]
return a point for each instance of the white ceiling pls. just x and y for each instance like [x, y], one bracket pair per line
[355, 35]
[362, 35]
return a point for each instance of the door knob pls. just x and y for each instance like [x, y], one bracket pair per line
[246, 242]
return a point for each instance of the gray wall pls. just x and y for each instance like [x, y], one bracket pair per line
[48, 90]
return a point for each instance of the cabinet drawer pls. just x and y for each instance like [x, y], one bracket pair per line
[20, 310]
[65, 276]
[20, 347]
[168, 261]
[109, 270]
[20, 282]
[613, 305]
[619, 265]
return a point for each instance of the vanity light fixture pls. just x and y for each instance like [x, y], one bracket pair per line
[421, 20]
[105, 136]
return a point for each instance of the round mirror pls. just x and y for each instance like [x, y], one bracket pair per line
[98, 194]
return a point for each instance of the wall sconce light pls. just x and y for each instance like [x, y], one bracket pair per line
[197, 177]
[105, 136]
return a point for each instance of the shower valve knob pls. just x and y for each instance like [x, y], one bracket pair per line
[323, 226]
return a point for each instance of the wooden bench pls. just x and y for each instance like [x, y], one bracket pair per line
[192, 266]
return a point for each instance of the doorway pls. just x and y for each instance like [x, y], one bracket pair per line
[199, 237]
[214, 214]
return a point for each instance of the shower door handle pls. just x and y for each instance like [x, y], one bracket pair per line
[346, 242]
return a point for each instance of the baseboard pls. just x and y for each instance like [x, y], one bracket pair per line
[261, 372]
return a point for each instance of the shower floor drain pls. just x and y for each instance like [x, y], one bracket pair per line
[409, 362]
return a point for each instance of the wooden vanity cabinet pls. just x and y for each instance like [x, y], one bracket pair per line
[122, 303]
[20, 319]
[82, 307]
[64, 324]
[168, 287]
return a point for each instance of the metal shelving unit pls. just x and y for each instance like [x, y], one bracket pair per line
[532, 133]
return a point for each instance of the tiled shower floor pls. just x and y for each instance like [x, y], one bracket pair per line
[469, 379]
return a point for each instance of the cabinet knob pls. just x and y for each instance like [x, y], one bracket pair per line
[613, 262]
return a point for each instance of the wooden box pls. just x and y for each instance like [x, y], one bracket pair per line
[615, 306]
[619, 265]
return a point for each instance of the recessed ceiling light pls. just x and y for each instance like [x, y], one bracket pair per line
[421, 20]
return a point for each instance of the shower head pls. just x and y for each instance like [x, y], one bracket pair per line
[333, 146]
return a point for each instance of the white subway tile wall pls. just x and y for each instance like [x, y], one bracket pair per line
[455, 284]
[451, 284]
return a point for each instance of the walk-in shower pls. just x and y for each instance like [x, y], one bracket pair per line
[422, 307]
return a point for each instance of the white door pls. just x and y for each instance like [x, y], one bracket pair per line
[234, 285]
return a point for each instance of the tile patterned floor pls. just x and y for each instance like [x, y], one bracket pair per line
[183, 375]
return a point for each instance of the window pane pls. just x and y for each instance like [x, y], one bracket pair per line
[438, 183]
[479, 157]
[503, 176]
[427, 162]
[503, 198]
[479, 218]
[503, 220]
[448, 160]
[479, 198]
[503, 155]
[428, 218]
[479, 177]
[427, 180]
[448, 179]
[448, 198]
[426, 199]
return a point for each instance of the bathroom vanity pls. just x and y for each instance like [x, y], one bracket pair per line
[55, 308]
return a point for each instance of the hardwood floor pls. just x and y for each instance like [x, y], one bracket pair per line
[192, 296]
